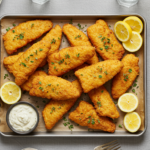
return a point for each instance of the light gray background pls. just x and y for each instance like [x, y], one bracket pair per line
[78, 7]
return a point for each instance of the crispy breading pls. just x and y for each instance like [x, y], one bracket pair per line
[96, 75]
[81, 66]
[10, 60]
[55, 110]
[54, 36]
[27, 86]
[78, 38]
[85, 115]
[27, 63]
[125, 78]
[103, 103]
[68, 59]
[53, 87]
[24, 33]
[105, 41]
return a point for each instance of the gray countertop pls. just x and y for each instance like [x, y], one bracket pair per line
[78, 7]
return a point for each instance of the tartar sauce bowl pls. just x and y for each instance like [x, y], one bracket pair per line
[31, 107]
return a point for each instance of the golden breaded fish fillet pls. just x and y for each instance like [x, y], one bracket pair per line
[105, 41]
[85, 115]
[55, 110]
[27, 63]
[78, 38]
[68, 59]
[93, 76]
[54, 36]
[24, 33]
[124, 79]
[53, 87]
[27, 86]
[10, 60]
[103, 103]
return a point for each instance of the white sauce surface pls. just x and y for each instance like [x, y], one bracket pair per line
[22, 117]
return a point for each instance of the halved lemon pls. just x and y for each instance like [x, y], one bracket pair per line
[128, 102]
[123, 31]
[135, 42]
[135, 23]
[10, 93]
[132, 122]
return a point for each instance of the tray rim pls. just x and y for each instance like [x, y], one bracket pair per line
[144, 70]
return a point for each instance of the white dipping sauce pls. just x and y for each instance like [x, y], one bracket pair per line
[22, 117]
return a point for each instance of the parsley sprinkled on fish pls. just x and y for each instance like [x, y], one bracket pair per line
[53, 41]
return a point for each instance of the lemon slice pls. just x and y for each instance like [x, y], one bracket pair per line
[10, 93]
[128, 102]
[135, 42]
[123, 31]
[132, 121]
[135, 23]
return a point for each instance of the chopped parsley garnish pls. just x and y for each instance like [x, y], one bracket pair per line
[53, 89]
[67, 56]
[98, 120]
[23, 64]
[57, 84]
[115, 102]
[106, 47]
[32, 61]
[65, 124]
[6, 75]
[52, 63]
[78, 54]
[93, 121]
[40, 49]
[59, 107]
[70, 22]
[113, 52]
[21, 36]
[78, 36]
[37, 106]
[81, 74]
[101, 49]
[64, 119]
[31, 55]
[108, 40]
[89, 116]
[79, 118]
[8, 29]
[134, 85]
[58, 38]
[54, 67]
[89, 121]
[102, 91]
[100, 76]
[61, 61]
[53, 41]
[106, 72]
[100, 36]
[79, 25]
[111, 45]
[32, 25]
[36, 52]
[40, 82]
[133, 90]
[99, 104]
[120, 126]
[13, 31]
[125, 77]
[70, 127]
[14, 25]
[130, 70]
[41, 88]
[109, 25]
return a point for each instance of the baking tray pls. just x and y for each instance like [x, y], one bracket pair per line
[94, 17]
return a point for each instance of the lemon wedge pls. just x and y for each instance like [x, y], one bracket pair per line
[135, 23]
[10, 92]
[135, 42]
[128, 102]
[123, 31]
[132, 121]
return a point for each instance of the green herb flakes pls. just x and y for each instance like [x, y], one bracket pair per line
[8, 29]
[32, 25]
[100, 76]
[53, 41]
[130, 70]
[78, 54]
[99, 104]
[120, 126]
[40, 82]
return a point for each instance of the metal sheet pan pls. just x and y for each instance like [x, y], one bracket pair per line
[88, 134]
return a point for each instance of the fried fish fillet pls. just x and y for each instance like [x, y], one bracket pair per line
[55, 110]
[27, 63]
[124, 79]
[24, 33]
[68, 59]
[54, 36]
[53, 87]
[103, 103]
[85, 115]
[10, 60]
[105, 41]
[78, 38]
[27, 86]
[93, 76]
